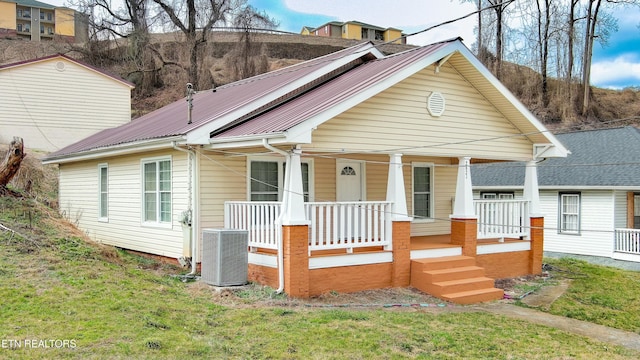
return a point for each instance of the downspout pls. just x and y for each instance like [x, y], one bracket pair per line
[191, 159]
[266, 144]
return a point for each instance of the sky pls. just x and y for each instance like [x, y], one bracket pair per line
[616, 66]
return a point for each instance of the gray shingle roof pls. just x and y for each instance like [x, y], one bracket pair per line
[599, 158]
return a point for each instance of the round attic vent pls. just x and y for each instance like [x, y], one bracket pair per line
[435, 104]
[60, 66]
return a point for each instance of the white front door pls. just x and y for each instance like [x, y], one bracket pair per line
[349, 181]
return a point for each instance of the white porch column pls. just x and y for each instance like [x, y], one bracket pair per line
[531, 188]
[293, 195]
[395, 189]
[463, 204]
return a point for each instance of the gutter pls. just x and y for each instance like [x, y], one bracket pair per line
[266, 144]
[115, 150]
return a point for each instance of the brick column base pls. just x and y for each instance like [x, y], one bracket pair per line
[295, 242]
[464, 232]
[401, 270]
[537, 245]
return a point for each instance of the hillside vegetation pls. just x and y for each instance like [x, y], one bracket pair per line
[270, 51]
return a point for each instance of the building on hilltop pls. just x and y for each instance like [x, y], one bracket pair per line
[34, 20]
[355, 30]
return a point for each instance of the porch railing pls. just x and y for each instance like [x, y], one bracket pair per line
[258, 218]
[627, 241]
[502, 218]
[333, 225]
[348, 225]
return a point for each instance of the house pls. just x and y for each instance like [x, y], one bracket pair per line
[34, 20]
[54, 101]
[349, 172]
[356, 30]
[590, 199]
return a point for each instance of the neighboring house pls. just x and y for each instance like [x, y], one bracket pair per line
[54, 101]
[342, 169]
[356, 30]
[590, 200]
[35, 20]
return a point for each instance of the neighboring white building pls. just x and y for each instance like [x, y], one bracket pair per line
[590, 200]
[54, 101]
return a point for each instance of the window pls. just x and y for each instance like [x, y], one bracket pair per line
[156, 190]
[497, 195]
[41, 29]
[569, 213]
[423, 190]
[103, 189]
[19, 28]
[41, 15]
[267, 180]
[49, 16]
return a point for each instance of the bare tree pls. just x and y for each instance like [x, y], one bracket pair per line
[247, 59]
[499, 8]
[544, 20]
[195, 21]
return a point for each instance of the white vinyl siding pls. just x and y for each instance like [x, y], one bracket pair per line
[569, 213]
[470, 125]
[51, 106]
[156, 191]
[79, 203]
[103, 190]
[596, 218]
[422, 181]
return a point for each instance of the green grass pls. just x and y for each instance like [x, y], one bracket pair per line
[119, 306]
[598, 294]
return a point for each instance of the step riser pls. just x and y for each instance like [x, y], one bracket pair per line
[444, 263]
[452, 275]
[476, 285]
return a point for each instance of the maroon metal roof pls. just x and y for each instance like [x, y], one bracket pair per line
[81, 63]
[330, 94]
[171, 120]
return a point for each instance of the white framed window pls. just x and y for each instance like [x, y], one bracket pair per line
[422, 190]
[497, 195]
[156, 191]
[569, 213]
[266, 178]
[103, 192]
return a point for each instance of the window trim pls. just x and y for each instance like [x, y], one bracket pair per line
[157, 223]
[281, 162]
[432, 210]
[561, 223]
[103, 217]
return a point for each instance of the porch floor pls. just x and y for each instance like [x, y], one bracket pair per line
[444, 241]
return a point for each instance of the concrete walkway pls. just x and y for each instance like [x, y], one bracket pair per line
[597, 332]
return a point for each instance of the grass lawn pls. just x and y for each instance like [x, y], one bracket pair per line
[598, 294]
[109, 304]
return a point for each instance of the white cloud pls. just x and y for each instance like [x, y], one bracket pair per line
[620, 72]
[408, 15]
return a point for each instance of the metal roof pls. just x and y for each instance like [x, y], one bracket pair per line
[599, 158]
[227, 103]
[338, 90]
[300, 97]
[34, 4]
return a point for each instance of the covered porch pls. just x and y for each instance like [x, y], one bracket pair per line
[309, 248]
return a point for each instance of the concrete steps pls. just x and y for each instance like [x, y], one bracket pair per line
[453, 278]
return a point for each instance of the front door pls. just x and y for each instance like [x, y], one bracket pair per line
[349, 181]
